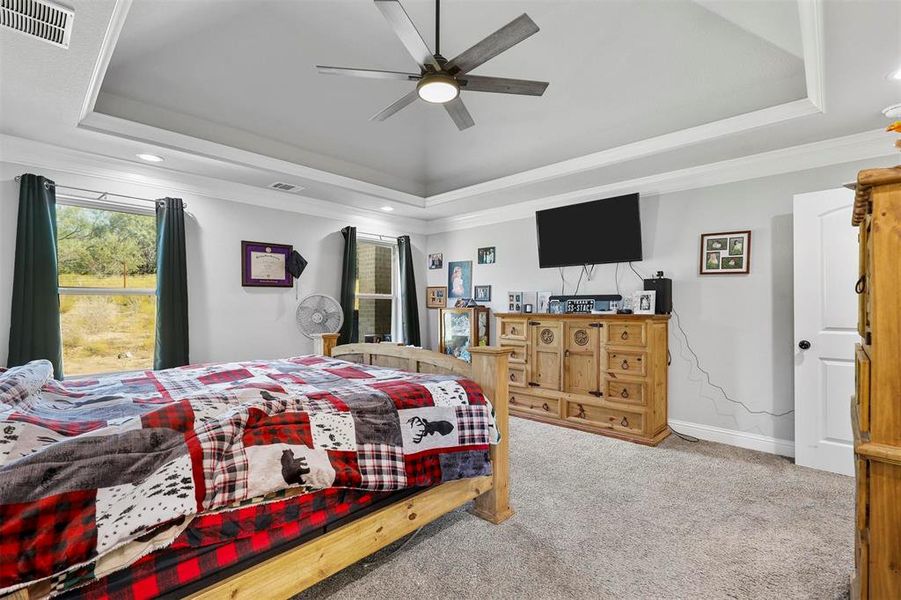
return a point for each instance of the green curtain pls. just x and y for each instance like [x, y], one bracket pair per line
[350, 332]
[34, 330]
[171, 286]
[409, 305]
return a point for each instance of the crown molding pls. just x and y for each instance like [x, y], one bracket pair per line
[107, 46]
[71, 167]
[179, 142]
[810, 13]
[861, 146]
[634, 150]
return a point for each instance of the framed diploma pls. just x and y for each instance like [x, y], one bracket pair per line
[264, 265]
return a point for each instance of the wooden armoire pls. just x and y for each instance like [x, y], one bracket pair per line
[876, 410]
[603, 373]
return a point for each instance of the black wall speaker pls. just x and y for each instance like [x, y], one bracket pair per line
[664, 288]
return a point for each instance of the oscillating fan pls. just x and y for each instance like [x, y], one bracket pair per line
[318, 313]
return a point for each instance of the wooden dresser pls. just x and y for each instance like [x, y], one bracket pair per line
[876, 410]
[600, 373]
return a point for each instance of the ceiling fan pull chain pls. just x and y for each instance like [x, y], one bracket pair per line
[437, 27]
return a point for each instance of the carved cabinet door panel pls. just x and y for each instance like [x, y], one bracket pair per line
[547, 354]
[580, 358]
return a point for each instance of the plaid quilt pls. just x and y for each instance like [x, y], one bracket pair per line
[106, 470]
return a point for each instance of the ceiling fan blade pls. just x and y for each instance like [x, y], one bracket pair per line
[403, 27]
[405, 101]
[502, 85]
[368, 73]
[457, 111]
[503, 39]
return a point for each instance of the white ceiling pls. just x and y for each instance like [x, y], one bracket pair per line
[227, 89]
[619, 71]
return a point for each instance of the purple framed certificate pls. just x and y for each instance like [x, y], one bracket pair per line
[264, 265]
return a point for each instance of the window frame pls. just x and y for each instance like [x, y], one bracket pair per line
[394, 296]
[110, 206]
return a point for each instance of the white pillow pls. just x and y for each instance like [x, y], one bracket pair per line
[17, 384]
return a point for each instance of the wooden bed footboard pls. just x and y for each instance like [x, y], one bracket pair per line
[489, 369]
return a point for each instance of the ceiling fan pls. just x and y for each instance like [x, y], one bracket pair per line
[440, 81]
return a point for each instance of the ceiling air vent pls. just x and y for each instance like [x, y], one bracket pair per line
[38, 18]
[285, 187]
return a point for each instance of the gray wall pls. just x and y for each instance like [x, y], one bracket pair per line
[739, 325]
[227, 321]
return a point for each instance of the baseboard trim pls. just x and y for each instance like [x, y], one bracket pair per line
[742, 439]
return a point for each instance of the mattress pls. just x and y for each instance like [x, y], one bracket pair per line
[216, 546]
[99, 473]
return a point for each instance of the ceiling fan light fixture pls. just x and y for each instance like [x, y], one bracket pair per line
[438, 88]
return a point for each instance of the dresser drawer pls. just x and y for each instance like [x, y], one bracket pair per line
[620, 390]
[626, 334]
[609, 418]
[514, 329]
[626, 362]
[537, 405]
[519, 351]
[517, 375]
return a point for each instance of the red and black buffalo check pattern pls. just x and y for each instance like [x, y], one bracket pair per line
[89, 466]
[217, 541]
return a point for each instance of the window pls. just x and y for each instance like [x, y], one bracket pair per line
[376, 285]
[107, 287]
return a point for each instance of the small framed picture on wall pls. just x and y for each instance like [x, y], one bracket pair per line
[436, 261]
[725, 253]
[487, 256]
[483, 293]
[436, 296]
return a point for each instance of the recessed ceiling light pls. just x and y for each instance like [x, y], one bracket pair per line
[387, 208]
[151, 157]
[893, 111]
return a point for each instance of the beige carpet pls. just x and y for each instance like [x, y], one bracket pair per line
[600, 518]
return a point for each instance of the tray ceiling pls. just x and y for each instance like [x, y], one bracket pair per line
[242, 74]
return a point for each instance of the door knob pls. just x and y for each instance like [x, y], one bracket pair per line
[803, 344]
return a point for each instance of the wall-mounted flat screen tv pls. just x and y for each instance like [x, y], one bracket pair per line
[590, 233]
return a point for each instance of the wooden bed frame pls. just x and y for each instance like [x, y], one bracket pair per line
[294, 570]
[297, 569]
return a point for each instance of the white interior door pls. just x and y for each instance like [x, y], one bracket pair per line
[826, 264]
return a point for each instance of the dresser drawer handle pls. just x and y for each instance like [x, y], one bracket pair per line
[624, 422]
[512, 330]
[512, 377]
[625, 335]
[581, 413]
[546, 407]
[625, 365]
[861, 286]
[624, 393]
